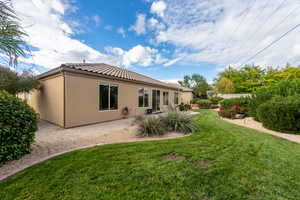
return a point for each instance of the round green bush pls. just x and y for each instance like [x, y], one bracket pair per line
[283, 88]
[281, 114]
[204, 103]
[18, 124]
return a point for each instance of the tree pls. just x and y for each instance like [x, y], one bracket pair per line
[225, 86]
[14, 83]
[196, 82]
[11, 34]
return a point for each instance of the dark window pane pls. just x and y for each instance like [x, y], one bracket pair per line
[141, 97]
[146, 98]
[113, 97]
[158, 99]
[166, 98]
[175, 97]
[103, 97]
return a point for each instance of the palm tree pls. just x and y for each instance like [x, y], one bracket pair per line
[11, 33]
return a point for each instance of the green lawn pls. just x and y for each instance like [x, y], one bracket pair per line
[222, 161]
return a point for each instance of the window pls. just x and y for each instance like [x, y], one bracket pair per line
[175, 98]
[143, 97]
[166, 98]
[108, 96]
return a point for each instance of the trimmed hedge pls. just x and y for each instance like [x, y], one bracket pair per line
[281, 114]
[18, 124]
[204, 103]
[215, 100]
[283, 88]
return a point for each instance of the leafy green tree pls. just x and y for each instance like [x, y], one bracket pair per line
[224, 86]
[14, 83]
[196, 82]
[11, 34]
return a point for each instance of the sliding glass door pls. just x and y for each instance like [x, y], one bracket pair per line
[155, 100]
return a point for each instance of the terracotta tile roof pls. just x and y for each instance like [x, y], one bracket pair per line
[108, 70]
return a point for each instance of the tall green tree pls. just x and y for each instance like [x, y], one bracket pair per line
[196, 82]
[11, 34]
[14, 83]
[224, 86]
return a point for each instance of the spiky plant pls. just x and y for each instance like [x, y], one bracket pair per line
[11, 33]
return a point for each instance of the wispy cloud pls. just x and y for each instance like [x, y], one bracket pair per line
[140, 25]
[121, 31]
[97, 20]
[230, 31]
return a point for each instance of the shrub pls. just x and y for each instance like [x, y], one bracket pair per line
[194, 100]
[241, 101]
[18, 124]
[231, 107]
[281, 114]
[151, 127]
[215, 100]
[204, 103]
[184, 107]
[179, 122]
[283, 88]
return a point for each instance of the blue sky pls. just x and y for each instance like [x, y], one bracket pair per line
[164, 39]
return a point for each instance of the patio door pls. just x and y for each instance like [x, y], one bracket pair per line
[155, 100]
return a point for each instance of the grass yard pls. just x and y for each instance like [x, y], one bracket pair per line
[222, 161]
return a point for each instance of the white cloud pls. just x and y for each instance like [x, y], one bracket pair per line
[154, 24]
[137, 55]
[49, 33]
[140, 25]
[97, 20]
[158, 7]
[174, 80]
[172, 62]
[121, 31]
[228, 32]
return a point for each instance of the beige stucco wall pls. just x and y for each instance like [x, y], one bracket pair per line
[82, 99]
[49, 101]
[186, 97]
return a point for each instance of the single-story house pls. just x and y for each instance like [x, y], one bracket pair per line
[79, 94]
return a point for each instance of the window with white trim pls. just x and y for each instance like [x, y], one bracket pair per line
[143, 97]
[108, 96]
[166, 98]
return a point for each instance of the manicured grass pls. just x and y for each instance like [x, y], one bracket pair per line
[236, 163]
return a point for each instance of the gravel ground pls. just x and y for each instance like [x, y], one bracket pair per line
[251, 123]
[52, 140]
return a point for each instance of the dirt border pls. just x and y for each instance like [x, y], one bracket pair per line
[249, 122]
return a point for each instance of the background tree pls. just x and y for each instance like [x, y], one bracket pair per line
[224, 86]
[11, 34]
[196, 82]
[14, 83]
